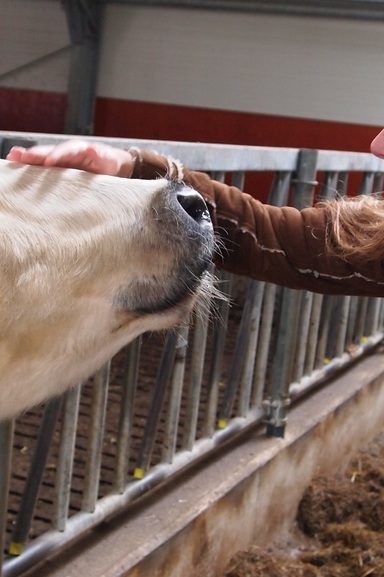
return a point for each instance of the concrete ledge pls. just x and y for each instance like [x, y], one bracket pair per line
[247, 496]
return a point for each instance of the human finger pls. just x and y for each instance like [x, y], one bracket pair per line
[68, 154]
[102, 159]
[111, 160]
[83, 155]
[33, 155]
[96, 157]
[15, 153]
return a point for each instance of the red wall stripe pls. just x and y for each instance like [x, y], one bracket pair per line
[37, 111]
[32, 110]
[124, 118]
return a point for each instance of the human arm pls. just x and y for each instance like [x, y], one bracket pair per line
[282, 245]
[276, 244]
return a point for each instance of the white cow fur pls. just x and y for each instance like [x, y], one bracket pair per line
[84, 260]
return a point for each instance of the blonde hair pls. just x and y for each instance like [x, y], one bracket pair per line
[356, 227]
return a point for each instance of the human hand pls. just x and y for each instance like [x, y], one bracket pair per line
[377, 145]
[81, 154]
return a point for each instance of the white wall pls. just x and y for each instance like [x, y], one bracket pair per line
[34, 45]
[306, 67]
[302, 67]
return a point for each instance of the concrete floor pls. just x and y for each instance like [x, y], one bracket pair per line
[246, 495]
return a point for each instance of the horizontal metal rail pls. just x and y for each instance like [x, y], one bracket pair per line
[213, 157]
[222, 157]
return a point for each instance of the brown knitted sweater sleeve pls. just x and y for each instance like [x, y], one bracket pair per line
[279, 245]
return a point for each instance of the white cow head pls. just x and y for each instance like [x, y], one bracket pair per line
[87, 263]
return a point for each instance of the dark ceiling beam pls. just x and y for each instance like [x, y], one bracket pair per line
[350, 9]
[84, 18]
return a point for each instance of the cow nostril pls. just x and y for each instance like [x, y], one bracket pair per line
[193, 204]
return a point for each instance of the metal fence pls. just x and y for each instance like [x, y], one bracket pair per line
[166, 401]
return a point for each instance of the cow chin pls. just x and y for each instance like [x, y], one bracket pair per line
[156, 295]
[129, 325]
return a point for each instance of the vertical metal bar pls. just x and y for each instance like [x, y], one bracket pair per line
[381, 315]
[97, 426]
[304, 185]
[250, 352]
[333, 183]
[378, 182]
[342, 324]
[314, 324]
[326, 315]
[66, 456]
[238, 179]
[6, 442]
[374, 304]
[367, 181]
[246, 382]
[84, 18]
[351, 327]
[333, 322]
[177, 381]
[162, 379]
[126, 414]
[329, 186]
[342, 183]
[218, 175]
[195, 379]
[282, 363]
[39, 460]
[303, 336]
[278, 196]
[372, 320]
[220, 323]
[242, 340]
[261, 363]
[361, 318]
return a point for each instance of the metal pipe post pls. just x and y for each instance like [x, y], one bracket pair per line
[220, 324]
[6, 442]
[177, 382]
[96, 431]
[195, 378]
[126, 414]
[304, 185]
[163, 376]
[84, 18]
[39, 461]
[66, 456]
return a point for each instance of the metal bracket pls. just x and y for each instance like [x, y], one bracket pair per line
[275, 418]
